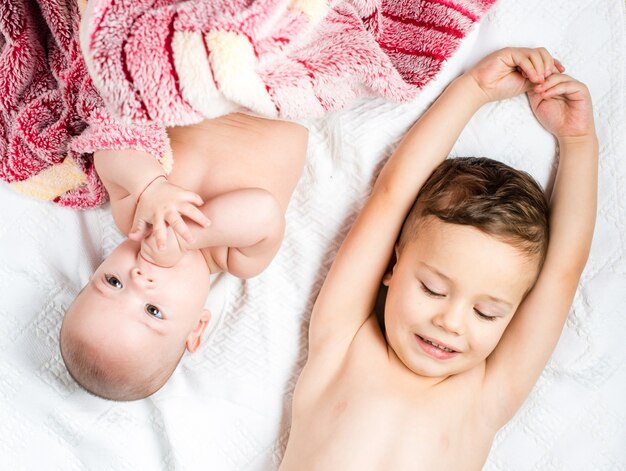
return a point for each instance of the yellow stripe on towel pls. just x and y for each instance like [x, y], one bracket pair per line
[82, 6]
[316, 10]
[233, 63]
[52, 182]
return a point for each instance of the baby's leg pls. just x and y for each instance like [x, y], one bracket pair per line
[246, 231]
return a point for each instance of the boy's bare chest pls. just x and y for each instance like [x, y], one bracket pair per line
[368, 419]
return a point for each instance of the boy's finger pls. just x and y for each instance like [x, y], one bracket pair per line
[551, 81]
[528, 68]
[180, 227]
[193, 213]
[548, 61]
[562, 88]
[560, 67]
[537, 61]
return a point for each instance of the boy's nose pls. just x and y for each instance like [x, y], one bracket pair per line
[139, 276]
[451, 319]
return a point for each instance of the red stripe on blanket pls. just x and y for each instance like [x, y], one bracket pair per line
[425, 24]
[131, 82]
[208, 59]
[92, 38]
[455, 7]
[169, 50]
[123, 60]
[412, 52]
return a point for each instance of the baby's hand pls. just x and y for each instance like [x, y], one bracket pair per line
[167, 256]
[162, 202]
[511, 71]
[563, 106]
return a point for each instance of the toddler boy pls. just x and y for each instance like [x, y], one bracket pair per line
[477, 292]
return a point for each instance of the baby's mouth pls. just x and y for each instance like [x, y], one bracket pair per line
[151, 262]
[441, 347]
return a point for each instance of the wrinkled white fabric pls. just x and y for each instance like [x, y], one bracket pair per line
[227, 407]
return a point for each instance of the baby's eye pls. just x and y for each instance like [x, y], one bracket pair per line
[484, 316]
[154, 311]
[430, 292]
[113, 281]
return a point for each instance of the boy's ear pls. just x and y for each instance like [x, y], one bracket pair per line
[194, 339]
[392, 264]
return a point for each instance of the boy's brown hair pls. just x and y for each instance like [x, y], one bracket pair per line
[497, 199]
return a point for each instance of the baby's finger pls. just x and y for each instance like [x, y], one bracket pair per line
[160, 233]
[139, 231]
[193, 198]
[180, 227]
[193, 213]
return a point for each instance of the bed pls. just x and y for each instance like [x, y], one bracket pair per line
[227, 407]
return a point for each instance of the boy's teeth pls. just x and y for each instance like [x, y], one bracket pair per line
[445, 349]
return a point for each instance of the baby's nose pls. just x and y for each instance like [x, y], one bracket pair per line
[140, 276]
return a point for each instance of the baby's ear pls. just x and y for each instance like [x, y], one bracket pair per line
[392, 264]
[194, 339]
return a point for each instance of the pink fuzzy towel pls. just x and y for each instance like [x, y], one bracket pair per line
[173, 62]
[177, 61]
[51, 116]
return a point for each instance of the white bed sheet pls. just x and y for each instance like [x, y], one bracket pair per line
[227, 406]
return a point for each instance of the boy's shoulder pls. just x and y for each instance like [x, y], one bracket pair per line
[369, 355]
[370, 377]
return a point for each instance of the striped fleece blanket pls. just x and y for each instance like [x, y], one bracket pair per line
[147, 64]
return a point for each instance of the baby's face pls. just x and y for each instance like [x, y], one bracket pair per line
[131, 304]
[456, 287]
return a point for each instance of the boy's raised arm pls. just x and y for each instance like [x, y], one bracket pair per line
[563, 106]
[349, 291]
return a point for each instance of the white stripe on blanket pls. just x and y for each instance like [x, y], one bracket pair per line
[227, 406]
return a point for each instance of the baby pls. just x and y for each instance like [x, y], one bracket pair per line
[477, 294]
[126, 331]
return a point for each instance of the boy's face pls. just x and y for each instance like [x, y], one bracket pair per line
[457, 287]
[139, 308]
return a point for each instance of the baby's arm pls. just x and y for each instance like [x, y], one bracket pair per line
[563, 106]
[348, 295]
[137, 186]
[248, 221]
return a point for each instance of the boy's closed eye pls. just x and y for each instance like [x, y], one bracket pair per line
[431, 292]
[485, 316]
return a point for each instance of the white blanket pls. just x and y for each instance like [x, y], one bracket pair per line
[227, 407]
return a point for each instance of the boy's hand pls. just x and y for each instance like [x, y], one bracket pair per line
[162, 202]
[511, 71]
[563, 106]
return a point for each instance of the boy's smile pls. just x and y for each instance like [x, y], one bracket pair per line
[451, 295]
[435, 349]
